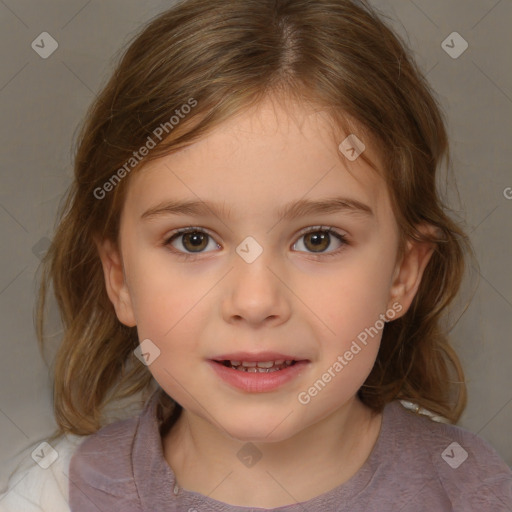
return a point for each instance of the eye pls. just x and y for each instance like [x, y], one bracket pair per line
[193, 240]
[318, 239]
[190, 241]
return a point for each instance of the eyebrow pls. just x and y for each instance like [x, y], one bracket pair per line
[290, 211]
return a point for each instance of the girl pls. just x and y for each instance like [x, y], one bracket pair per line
[254, 247]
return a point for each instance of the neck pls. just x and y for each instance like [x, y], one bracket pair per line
[204, 459]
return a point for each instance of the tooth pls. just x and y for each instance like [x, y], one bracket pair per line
[235, 363]
[249, 364]
[252, 370]
[279, 361]
[289, 362]
[265, 364]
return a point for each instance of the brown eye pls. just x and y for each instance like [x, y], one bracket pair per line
[190, 241]
[318, 240]
[195, 241]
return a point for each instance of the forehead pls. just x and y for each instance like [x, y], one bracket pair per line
[271, 153]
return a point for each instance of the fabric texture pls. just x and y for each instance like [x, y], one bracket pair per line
[32, 488]
[416, 465]
[35, 488]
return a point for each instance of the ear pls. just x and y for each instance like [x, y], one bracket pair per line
[409, 271]
[115, 282]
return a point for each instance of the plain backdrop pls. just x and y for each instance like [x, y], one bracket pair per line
[42, 102]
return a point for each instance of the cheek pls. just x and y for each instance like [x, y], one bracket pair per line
[163, 297]
[347, 356]
[169, 316]
[353, 299]
[168, 309]
[338, 379]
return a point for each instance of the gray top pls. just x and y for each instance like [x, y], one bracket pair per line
[416, 465]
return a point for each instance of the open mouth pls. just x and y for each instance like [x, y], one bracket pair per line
[258, 373]
[258, 366]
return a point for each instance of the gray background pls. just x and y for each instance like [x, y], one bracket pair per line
[43, 100]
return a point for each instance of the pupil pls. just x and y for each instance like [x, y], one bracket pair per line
[195, 239]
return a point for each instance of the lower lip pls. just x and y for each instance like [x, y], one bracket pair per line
[258, 382]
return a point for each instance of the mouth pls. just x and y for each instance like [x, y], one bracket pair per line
[258, 366]
[258, 373]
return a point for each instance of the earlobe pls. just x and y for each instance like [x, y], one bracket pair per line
[409, 272]
[115, 282]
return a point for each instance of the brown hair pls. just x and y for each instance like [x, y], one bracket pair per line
[226, 56]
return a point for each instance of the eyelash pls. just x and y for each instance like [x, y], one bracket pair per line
[316, 229]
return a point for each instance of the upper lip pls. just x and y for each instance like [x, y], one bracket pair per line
[256, 356]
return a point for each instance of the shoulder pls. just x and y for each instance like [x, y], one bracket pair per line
[40, 482]
[103, 461]
[459, 463]
[52, 478]
[72, 468]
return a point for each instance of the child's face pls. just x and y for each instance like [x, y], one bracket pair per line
[305, 297]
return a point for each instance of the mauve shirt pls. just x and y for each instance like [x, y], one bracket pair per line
[416, 465]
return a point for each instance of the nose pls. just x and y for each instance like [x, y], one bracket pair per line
[256, 293]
